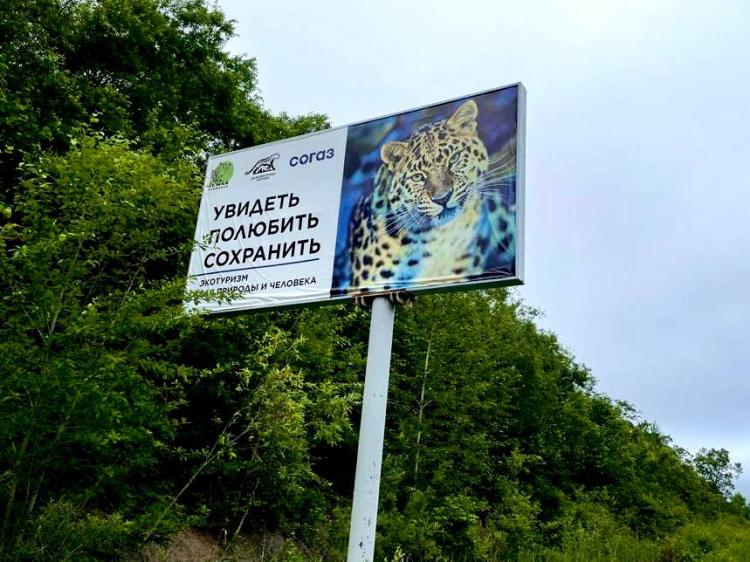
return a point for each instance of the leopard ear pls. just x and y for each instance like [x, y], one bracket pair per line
[393, 152]
[464, 120]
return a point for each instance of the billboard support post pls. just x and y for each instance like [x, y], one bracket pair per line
[371, 432]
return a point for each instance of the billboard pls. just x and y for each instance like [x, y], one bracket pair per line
[422, 200]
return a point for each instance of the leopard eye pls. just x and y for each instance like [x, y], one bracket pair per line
[417, 177]
[454, 158]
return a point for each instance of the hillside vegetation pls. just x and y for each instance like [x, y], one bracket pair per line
[124, 420]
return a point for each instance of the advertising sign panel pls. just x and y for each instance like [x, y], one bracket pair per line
[423, 200]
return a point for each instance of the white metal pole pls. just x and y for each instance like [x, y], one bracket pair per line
[371, 431]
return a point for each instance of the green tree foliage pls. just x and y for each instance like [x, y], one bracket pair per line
[116, 400]
[122, 417]
[498, 441]
[151, 70]
[714, 465]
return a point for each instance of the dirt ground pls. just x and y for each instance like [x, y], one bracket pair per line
[191, 545]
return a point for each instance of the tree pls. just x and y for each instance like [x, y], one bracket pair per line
[716, 468]
[88, 378]
[106, 111]
[153, 71]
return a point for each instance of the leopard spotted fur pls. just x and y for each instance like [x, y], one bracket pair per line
[434, 212]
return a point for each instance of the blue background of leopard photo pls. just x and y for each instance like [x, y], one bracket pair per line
[496, 126]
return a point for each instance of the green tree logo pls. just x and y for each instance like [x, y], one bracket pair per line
[221, 175]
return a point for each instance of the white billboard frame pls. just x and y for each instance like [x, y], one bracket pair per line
[232, 307]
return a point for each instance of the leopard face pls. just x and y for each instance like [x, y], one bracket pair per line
[432, 173]
[435, 210]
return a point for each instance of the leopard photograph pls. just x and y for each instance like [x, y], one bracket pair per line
[430, 197]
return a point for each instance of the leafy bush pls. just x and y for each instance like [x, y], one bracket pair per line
[62, 531]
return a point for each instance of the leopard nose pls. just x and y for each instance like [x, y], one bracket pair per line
[442, 200]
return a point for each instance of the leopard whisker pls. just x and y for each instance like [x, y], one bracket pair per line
[500, 165]
[502, 155]
[491, 187]
[499, 172]
[503, 178]
[501, 162]
[398, 223]
[404, 219]
[495, 177]
[495, 188]
[489, 193]
[492, 176]
[397, 219]
[507, 152]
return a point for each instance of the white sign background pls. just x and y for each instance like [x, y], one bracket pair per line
[278, 281]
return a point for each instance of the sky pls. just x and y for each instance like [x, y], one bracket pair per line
[637, 167]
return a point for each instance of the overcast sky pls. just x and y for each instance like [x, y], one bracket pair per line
[638, 167]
